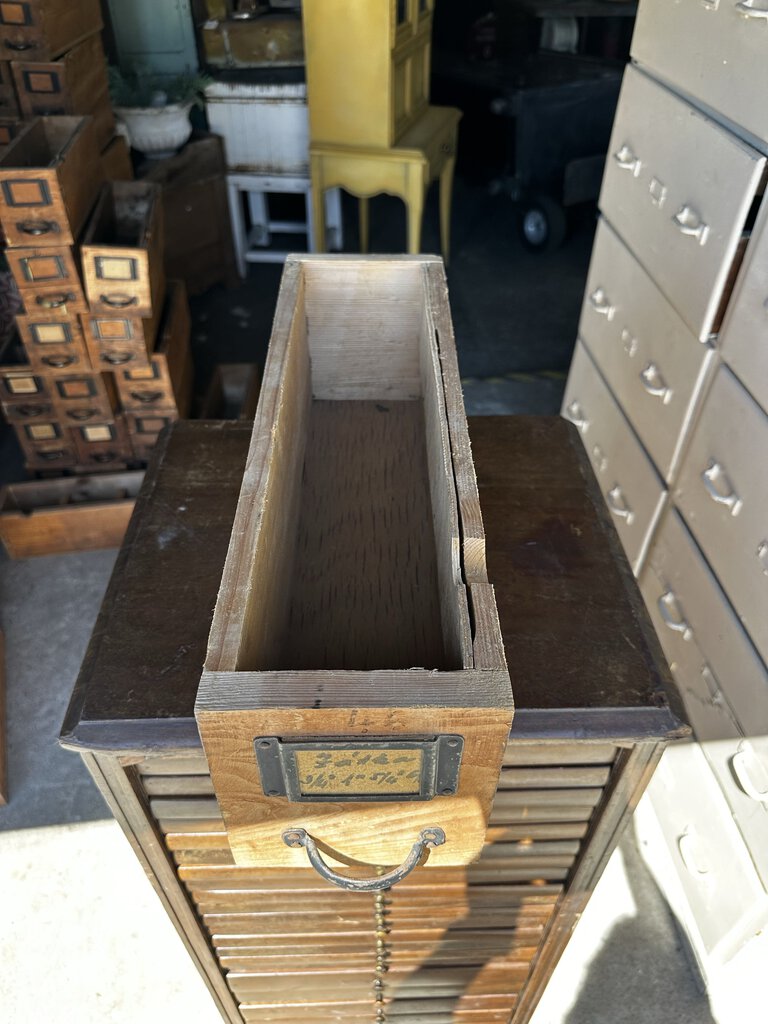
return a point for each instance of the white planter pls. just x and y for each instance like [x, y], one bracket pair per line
[157, 132]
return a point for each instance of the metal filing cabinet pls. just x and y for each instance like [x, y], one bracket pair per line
[674, 335]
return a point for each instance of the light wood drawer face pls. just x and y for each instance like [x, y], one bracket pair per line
[84, 398]
[53, 346]
[101, 443]
[21, 385]
[632, 490]
[653, 363]
[42, 29]
[725, 64]
[682, 224]
[744, 337]
[723, 495]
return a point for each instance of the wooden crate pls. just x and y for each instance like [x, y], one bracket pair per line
[54, 346]
[52, 517]
[49, 176]
[359, 462]
[166, 382]
[122, 250]
[591, 721]
[76, 83]
[44, 29]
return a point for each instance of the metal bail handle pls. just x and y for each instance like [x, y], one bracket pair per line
[428, 838]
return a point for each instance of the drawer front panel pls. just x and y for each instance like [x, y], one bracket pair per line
[744, 337]
[83, 398]
[54, 346]
[631, 487]
[101, 443]
[728, 34]
[723, 891]
[120, 335]
[52, 454]
[43, 29]
[22, 386]
[144, 388]
[723, 495]
[684, 226]
[653, 363]
[40, 270]
[28, 412]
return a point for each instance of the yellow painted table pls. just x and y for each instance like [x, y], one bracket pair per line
[425, 152]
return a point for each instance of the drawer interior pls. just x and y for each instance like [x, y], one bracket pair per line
[43, 144]
[121, 215]
[354, 563]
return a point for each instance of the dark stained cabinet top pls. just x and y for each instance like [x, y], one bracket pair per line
[582, 654]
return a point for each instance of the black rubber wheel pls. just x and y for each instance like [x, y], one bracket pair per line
[542, 224]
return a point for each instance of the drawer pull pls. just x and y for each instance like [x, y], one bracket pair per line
[617, 503]
[629, 341]
[627, 160]
[103, 456]
[59, 453]
[599, 301]
[428, 838]
[658, 191]
[81, 414]
[58, 362]
[720, 488]
[31, 410]
[37, 227]
[672, 614]
[577, 416]
[54, 301]
[692, 854]
[119, 301]
[746, 10]
[655, 384]
[750, 774]
[762, 556]
[18, 47]
[115, 358]
[690, 223]
[146, 397]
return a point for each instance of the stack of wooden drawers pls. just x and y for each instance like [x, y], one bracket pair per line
[57, 66]
[107, 343]
[668, 389]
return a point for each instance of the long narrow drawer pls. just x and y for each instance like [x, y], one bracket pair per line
[653, 363]
[631, 487]
[726, 902]
[683, 225]
[721, 679]
[714, 50]
[722, 492]
[744, 337]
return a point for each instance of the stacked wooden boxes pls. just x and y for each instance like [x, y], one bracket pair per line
[107, 343]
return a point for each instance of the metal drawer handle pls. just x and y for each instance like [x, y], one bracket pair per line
[428, 838]
[599, 301]
[103, 456]
[748, 11]
[58, 362]
[691, 854]
[617, 503]
[627, 160]
[31, 410]
[115, 358]
[18, 47]
[54, 301]
[577, 416]
[654, 383]
[720, 488]
[629, 341]
[147, 397]
[690, 223]
[762, 556]
[119, 301]
[82, 414]
[672, 614]
[37, 227]
[59, 453]
[741, 762]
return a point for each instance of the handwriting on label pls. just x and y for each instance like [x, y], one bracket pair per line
[364, 772]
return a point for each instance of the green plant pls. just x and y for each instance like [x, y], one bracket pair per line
[135, 89]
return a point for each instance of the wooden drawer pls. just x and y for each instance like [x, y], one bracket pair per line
[631, 487]
[49, 176]
[114, 341]
[10, 126]
[116, 160]
[84, 398]
[167, 380]
[728, 35]
[122, 250]
[143, 428]
[46, 445]
[102, 444]
[654, 365]
[73, 84]
[28, 412]
[726, 902]
[20, 385]
[48, 280]
[43, 29]
[9, 104]
[744, 337]
[722, 492]
[54, 346]
[683, 226]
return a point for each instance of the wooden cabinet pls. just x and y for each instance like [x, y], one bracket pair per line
[44, 29]
[590, 723]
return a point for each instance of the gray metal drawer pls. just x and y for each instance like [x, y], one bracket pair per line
[744, 337]
[678, 188]
[652, 361]
[632, 489]
[715, 50]
[722, 492]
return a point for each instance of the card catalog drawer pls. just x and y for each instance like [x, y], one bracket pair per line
[744, 337]
[714, 50]
[116, 340]
[46, 445]
[84, 398]
[42, 29]
[102, 444]
[723, 495]
[53, 346]
[653, 363]
[48, 280]
[21, 385]
[630, 485]
[682, 225]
